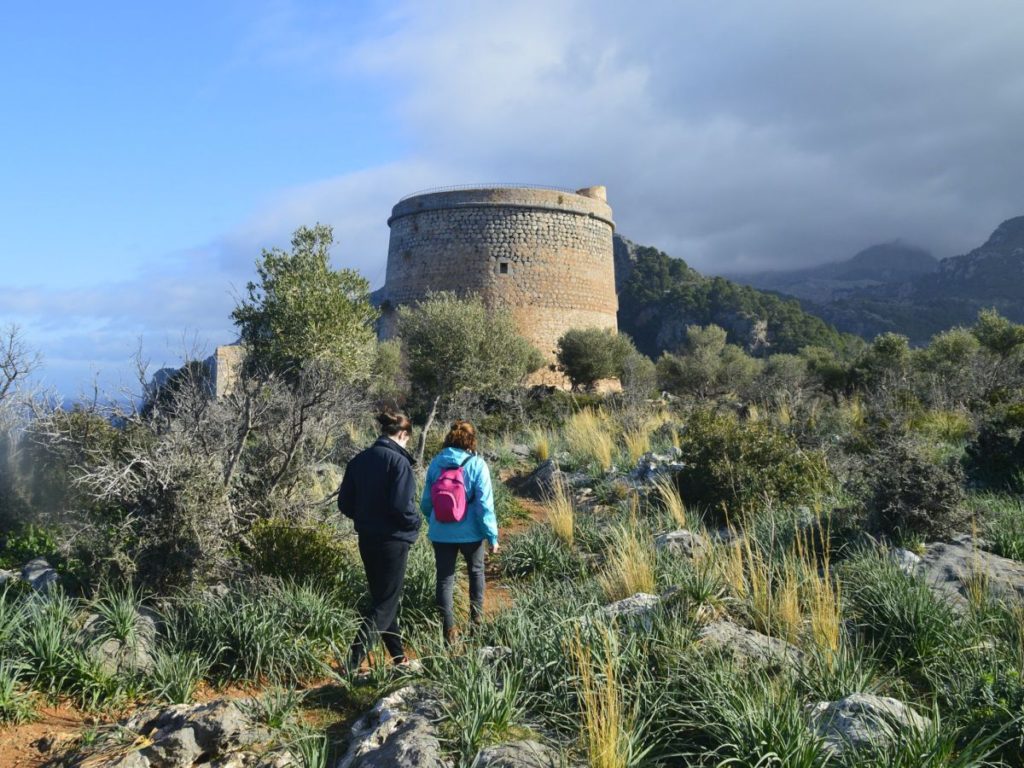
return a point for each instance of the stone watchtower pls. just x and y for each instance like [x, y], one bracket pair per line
[545, 255]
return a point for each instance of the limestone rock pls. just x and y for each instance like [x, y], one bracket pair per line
[178, 749]
[747, 646]
[114, 655]
[39, 575]
[518, 754]
[950, 565]
[398, 732]
[682, 542]
[905, 559]
[636, 609]
[651, 465]
[218, 728]
[864, 720]
[540, 484]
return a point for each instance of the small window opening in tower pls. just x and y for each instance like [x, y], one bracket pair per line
[503, 267]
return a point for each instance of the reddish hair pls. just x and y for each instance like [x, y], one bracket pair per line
[461, 435]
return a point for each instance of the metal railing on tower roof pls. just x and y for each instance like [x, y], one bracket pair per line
[499, 185]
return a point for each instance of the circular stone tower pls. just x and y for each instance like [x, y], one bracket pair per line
[545, 255]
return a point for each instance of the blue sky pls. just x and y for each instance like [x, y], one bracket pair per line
[149, 151]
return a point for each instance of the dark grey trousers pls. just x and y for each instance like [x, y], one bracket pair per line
[445, 556]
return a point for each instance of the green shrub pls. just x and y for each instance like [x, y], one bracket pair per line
[914, 494]
[267, 630]
[587, 355]
[995, 458]
[15, 705]
[735, 467]
[302, 553]
[538, 552]
[25, 543]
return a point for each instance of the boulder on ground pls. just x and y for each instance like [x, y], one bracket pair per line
[40, 575]
[951, 566]
[906, 560]
[652, 465]
[398, 732]
[636, 609]
[540, 484]
[518, 754]
[115, 655]
[682, 542]
[863, 720]
[747, 646]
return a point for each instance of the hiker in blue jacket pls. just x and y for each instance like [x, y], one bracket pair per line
[379, 493]
[452, 529]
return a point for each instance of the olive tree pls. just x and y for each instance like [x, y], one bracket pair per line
[455, 346]
[302, 310]
[587, 355]
[708, 366]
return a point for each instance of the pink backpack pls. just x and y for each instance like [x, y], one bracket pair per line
[448, 494]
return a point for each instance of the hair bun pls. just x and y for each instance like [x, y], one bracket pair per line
[393, 422]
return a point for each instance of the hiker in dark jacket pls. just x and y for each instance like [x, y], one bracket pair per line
[466, 536]
[378, 493]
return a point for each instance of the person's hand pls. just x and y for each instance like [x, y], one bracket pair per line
[495, 548]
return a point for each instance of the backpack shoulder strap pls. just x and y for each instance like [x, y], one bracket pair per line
[464, 463]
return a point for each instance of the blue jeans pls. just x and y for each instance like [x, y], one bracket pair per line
[445, 556]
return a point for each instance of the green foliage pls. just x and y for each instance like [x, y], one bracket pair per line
[452, 345]
[662, 294]
[302, 310]
[539, 552]
[708, 367]
[23, 544]
[15, 705]
[176, 675]
[387, 383]
[736, 467]
[995, 458]
[273, 631]
[914, 493]
[997, 334]
[304, 553]
[587, 355]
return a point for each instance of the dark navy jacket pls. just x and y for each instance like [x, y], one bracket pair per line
[378, 492]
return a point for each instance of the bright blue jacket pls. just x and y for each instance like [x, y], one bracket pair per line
[480, 521]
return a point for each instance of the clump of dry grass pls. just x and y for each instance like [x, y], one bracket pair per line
[590, 435]
[668, 495]
[638, 442]
[541, 440]
[630, 565]
[562, 514]
[607, 726]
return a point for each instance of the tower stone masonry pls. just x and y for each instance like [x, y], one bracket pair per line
[545, 255]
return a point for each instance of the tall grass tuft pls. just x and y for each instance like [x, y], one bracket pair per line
[609, 727]
[15, 706]
[637, 442]
[591, 438]
[562, 514]
[176, 675]
[630, 566]
[540, 440]
[671, 501]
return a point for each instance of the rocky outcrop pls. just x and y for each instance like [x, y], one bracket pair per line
[518, 754]
[683, 542]
[121, 656]
[864, 721]
[747, 646]
[40, 575]
[652, 465]
[638, 609]
[540, 484]
[182, 736]
[950, 567]
[398, 732]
